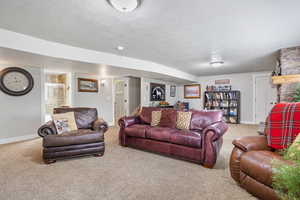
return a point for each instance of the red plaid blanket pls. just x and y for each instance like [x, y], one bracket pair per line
[283, 125]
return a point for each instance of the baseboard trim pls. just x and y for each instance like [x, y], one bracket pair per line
[248, 122]
[111, 123]
[17, 139]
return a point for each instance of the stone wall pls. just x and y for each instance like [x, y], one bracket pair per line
[290, 64]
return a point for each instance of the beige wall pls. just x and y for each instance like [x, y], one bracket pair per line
[21, 116]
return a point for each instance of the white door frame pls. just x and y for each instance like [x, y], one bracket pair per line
[254, 76]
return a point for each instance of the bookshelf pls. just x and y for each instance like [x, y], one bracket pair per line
[227, 101]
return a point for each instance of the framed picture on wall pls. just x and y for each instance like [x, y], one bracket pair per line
[172, 90]
[87, 85]
[192, 91]
[157, 92]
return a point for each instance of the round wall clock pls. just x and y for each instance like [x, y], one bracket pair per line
[16, 81]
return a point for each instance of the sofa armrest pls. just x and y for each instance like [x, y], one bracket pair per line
[218, 128]
[47, 129]
[100, 125]
[128, 121]
[252, 143]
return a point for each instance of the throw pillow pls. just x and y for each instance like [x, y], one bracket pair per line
[155, 118]
[293, 152]
[168, 118]
[64, 122]
[183, 120]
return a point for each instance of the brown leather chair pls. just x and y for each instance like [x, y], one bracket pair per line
[200, 144]
[87, 140]
[251, 166]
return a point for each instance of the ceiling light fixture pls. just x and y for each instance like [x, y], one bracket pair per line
[216, 59]
[120, 48]
[124, 5]
[216, 63]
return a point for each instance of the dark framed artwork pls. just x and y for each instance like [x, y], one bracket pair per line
[192, 91]
[157, 92]
[87, 85]
[172, 90]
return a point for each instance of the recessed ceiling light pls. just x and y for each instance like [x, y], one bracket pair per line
[124, 5]
[216, 63]
[120, 48]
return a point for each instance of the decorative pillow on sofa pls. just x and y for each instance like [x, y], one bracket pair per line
[64, 122]
[155, 118]
[183, 120]
[145, 114]
[168, 118]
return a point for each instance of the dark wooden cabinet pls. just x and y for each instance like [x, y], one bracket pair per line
[227, 101]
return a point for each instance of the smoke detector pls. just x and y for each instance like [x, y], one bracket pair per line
[124, 5]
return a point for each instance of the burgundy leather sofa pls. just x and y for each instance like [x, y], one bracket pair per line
[200, 144]
[87, 140]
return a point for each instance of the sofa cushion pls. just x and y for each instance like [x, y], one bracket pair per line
[183, 120]
[168, 118]
[81, 136]
[202, 118]
[137, 130]
[84, 117]
[155, 119]
[159, 133]
[186, 138]
[64, 122]
[258, 165]
[145, 114]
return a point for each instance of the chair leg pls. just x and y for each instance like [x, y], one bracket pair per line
[48, 162]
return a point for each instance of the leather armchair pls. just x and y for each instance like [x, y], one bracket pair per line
[87, 140]
[251, 166]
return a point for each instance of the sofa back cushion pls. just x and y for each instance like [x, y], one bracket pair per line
[84, 117]
[202, 118]
[168, 118]
[146, 113]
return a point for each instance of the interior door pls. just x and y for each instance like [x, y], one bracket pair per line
[265, 97]
[119, 99]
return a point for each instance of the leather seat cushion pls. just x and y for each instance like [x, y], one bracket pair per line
[81, 136]
[186, 138]
[137, 130]
[258, 165]
[159, 133]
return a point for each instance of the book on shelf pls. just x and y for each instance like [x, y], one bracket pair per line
[226, 101]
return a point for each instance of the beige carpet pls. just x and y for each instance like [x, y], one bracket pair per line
[123, 173]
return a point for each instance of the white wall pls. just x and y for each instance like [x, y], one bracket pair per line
[244, 82]
[21, 116]
[102, 100]
[145, 91]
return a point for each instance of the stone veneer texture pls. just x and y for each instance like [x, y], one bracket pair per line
[290, 64]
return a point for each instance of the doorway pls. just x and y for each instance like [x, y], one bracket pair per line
[119, 104]
[127, 96]
[57, 92]
[265, 97]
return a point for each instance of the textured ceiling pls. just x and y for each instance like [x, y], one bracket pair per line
[176, 33]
